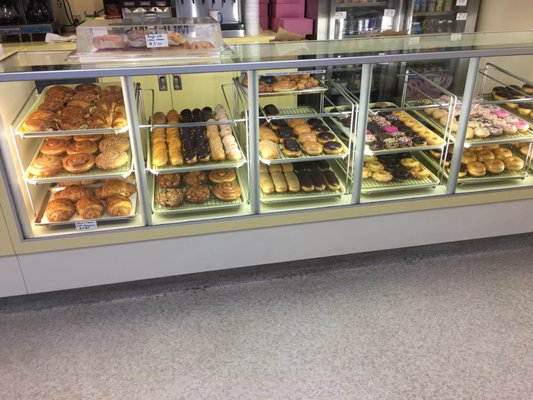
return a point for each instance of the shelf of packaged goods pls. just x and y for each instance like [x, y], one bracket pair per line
[42, 220]
[211, 204]
[94, 174]
[526, 136]
[20, 131]
[362, 4]
[320, 88]
[198, 166]
[372, 186]
[304, 112]
[469, 180]
[289, 197]
[434, 13]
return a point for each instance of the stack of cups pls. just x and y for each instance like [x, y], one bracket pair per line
[251, 18]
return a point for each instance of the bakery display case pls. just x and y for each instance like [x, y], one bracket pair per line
[175, 152]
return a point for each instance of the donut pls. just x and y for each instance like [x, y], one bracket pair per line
[197, 194]
[468, 157]
[523, 149]
[54, 147]
[111, 159]
[331, 180]
[513, 163]
[301, 128]
[501, 153]
[227, 191]
[312, 148]
[495, 166]
[295, 121]
[419, 172]
[84, 146]
[324, 137]
[382, 176]
[476, 168]
[195, 178]
[332, 147]
[271, 109]
[45, 166]
[375, 166]
[222, 175]
[410, 162]
[78, 163]
[485, 155]
[366, 173]
[291, 148]
[170, 197]
[307, 137]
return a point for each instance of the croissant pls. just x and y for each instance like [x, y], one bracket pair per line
[89, 208]
[115, 189]
[118, 206]
[59, 210]
[74, 193]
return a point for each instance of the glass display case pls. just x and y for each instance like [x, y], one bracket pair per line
[259, 131]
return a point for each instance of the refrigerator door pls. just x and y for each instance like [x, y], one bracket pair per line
[441, 16]
[349, 19]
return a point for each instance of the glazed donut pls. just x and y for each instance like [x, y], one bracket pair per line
[410, 162]
[375, 166]
[312, 148]
[495, 166]
[501, 153]
[468, 157]
[45, 166]
[382, 176]
[366, 173]
[54, 147]
[227, 191]
[476, 168]
[419, 172]
[485, 155]
[84, 146]
[513, 163]
[111, 159]
[222, 175]
[78, 163]
[491, 147]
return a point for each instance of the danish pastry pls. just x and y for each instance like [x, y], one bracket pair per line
[54, 147]
[78, 163]
[85, 146]
[227, 191]
[111, 159]
[222, 175]
[114, 143]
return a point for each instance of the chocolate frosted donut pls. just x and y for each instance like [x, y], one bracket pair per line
[322, 165]
[306, 183]
[278, 123]
[291, 147]
[186, 113]
[207, 113]
[320, 128]
[284, 132]
[332, 147]
[318, 180]
[271, 109]
[315, 122]
[324, 137]
[331, 180]
[267, 79]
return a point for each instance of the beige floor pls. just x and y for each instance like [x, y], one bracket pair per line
[443, 322]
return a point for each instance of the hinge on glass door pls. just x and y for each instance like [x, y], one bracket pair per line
[176, 82]
[162, 83]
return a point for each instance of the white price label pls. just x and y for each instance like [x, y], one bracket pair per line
[455, 36]
[340, 15]
[461, 3]
[155, 40]
[85, 225]
[461, 16]
[414, 40]
[389, 12]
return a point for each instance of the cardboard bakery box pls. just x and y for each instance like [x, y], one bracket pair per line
[281, 10]
[302, 26]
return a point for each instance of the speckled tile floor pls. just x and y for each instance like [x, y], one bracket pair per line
[452, 321]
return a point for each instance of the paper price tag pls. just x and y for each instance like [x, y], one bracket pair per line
[389, 12]
[455, 37]
[414, 40]
[460, 3]
[340, 15]
[461, 16]
[156, 40]
[86, 225]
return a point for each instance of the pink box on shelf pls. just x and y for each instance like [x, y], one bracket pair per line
[281, 10]
[288, 1]
[263, 10]
[302, 26]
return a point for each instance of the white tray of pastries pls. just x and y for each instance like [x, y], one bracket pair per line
[197, 191]
[201, 147]
[306, 138]
[109, 201]
[396, 172]
[483, 164]
[288, 182]
[280, 83]
[86, 157]
[488, 123]
[72, 109]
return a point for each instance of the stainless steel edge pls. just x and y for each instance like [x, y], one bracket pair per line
[460, 136]
[128, 91]
[253, 140]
